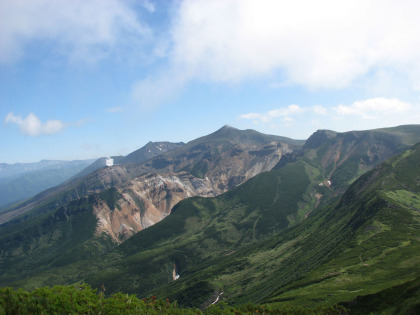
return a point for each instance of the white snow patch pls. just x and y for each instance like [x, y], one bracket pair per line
[109, 162]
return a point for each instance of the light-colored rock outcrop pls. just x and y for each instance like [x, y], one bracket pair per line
[150, 197]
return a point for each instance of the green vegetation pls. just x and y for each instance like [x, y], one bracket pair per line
[111, 196]
[51, 241]
[362, 244]
[285, 239]
[399, 299]
[80, 298]
[382, 249]
[200, 169]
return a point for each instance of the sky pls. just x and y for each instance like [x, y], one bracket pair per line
[84, 79]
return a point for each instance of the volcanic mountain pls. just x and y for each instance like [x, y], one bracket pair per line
[309, 217]
[91, 214]
[246, 243]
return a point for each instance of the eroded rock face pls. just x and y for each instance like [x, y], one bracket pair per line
[121, 223]
[149, 198]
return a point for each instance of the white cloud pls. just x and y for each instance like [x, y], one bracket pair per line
[316, 44]
[31, 125]
[283, 112]
[289, 110]
[360, 115]
[85, 30]
[325, 43]
[251, 116]
[374, 107]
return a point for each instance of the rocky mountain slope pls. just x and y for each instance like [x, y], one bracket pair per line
[150, 150]
[219, 161]
[364, 243]
[206, 239]
[118, 201]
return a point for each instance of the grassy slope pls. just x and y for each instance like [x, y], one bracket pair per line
[201, 229]
[330, 257]
[384, 249]
[198, 230]
[52, 240]
[398, 299]
[214, 241]
[365, 243]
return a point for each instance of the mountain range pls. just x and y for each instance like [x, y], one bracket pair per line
[235, 216]
[23, 180]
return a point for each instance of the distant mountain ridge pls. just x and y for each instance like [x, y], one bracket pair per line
[127, 198]
[148, 151]
[299, 217]
[9, 170]
[87, 168]
[23, 180]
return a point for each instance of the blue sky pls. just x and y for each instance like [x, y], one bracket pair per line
[89, 78]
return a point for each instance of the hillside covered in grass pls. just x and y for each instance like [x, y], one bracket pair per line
[366, 242]
[285, 237]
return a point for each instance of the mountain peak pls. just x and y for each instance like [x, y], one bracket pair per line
[318, 138]
[151, 149]
[227, 128]
[225, 131]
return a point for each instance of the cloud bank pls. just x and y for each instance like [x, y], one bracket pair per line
[31, 125]
[374, 107]
[82, 30]
[324, 44]
[377, 112]
[284, 112]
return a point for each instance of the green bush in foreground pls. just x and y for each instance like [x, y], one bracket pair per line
[222, 308]
[82, 299]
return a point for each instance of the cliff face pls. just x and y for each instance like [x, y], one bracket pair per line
[148, 198]
[91, 214]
